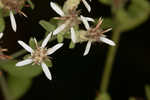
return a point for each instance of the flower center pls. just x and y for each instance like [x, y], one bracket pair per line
[39, 55]
[12, 4]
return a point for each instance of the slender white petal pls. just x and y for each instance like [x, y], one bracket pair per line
[46, 40]
[24, 62]
[59, 29]
[85, 22]
[107, 41]
[1, 35]
[90, 19]
[13, 21]
[73, 35]
[46, 71]
[25, 46]
[87, 49]
[56, 9]
[54, 48]
[86, 5]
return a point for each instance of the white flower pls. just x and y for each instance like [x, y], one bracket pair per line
[63, 26]
[13, 21]
[70, 20]
[87, 5]
[95, 34]
[39, 54]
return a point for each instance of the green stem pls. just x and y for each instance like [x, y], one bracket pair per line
[4, 87]
[109, 62]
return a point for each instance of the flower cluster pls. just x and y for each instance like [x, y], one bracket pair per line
[68, 21]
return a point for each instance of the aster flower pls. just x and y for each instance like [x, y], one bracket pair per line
[13, 5]
[70, 20]
[95, 34]
[39, 55]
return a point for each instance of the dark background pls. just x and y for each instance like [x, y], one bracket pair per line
[78, 77]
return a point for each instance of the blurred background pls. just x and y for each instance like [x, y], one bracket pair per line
[79, 77]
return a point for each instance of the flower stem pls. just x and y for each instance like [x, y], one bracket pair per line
[109, 62]
[4, 87]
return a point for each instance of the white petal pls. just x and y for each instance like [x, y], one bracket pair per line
[86, 5]
[85, 22]
[54, 48]
[46, 40]
[1, 35]
[13, 21]
[24, 62]
[73, 35]
[107, 41]
[87, 49]
[46, 71]
[90, 19]
[59, 29]
[25, 46]
[56, 9]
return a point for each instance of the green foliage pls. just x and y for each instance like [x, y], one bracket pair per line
[2, 24]
[32, 43]
[18, 86]
[70, 4]
[147, 91]
[72, 45]
[47, 25]
[31, 4]
[28, 71]
[107, 2]
[137, 13]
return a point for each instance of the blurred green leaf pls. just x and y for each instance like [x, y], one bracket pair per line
[31, 4]
[107, 2]
[137, 12]
[147, 90]
[47, 25]
[32, 43]
[48, 62]
[71, 45]
[28, 71]
[70, 4]
[60, 38]
[18, 86]
[2, 24]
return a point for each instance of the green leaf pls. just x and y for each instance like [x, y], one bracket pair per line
[2, 24]
[31, 4]
[18, 86]
[70, 4]
[71, 45]
[48, 62]
[147, 90]
[28, 71]
[107, 2]
[60, 38]
[138, 12]
[32, 43]
[47, 25]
